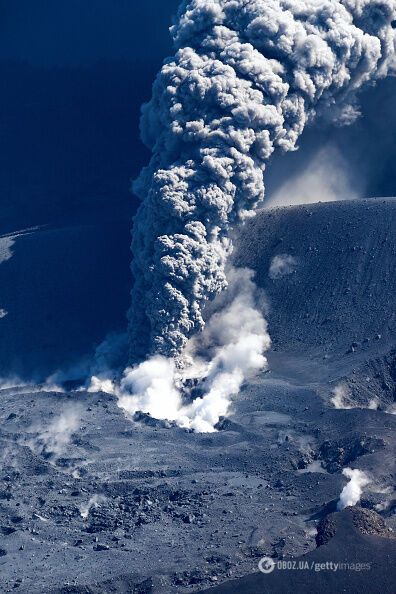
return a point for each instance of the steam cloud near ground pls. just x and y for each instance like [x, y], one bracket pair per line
[57, 434]
[352, 492]
[342, 399]
[53, 437]
[229, 350]
[93, 502]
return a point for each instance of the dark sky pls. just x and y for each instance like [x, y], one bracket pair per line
[75, 32]
[74, 75]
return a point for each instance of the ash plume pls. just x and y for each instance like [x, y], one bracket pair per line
[246, 78]
[218, 360]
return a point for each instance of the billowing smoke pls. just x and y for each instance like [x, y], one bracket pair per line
[217, 361]
[351, 493]
[246, 78]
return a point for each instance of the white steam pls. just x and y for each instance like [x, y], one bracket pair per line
[282, 265]
[391, 409]
[55, 437]
[246, 78]
[6, 243]
[325, 179]
[352, 492]
[150, 388]
[340, 397]
[229, 350]
[18, 386]
[93, 502]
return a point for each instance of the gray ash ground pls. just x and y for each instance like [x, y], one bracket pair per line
[92, 502]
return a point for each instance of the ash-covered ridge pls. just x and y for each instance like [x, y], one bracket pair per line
[329, 273]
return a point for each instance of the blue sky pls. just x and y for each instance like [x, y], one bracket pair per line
[75, 32]
[74, 77]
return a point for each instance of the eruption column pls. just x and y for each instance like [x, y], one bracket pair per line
[246, 77]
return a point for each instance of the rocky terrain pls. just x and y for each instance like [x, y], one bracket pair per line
[355, 553]
[92, 501]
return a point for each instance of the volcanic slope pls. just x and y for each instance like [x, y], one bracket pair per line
[91, 501]
[342, 283]
[329, 275]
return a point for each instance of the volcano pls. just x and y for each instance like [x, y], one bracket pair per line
[94, 501]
